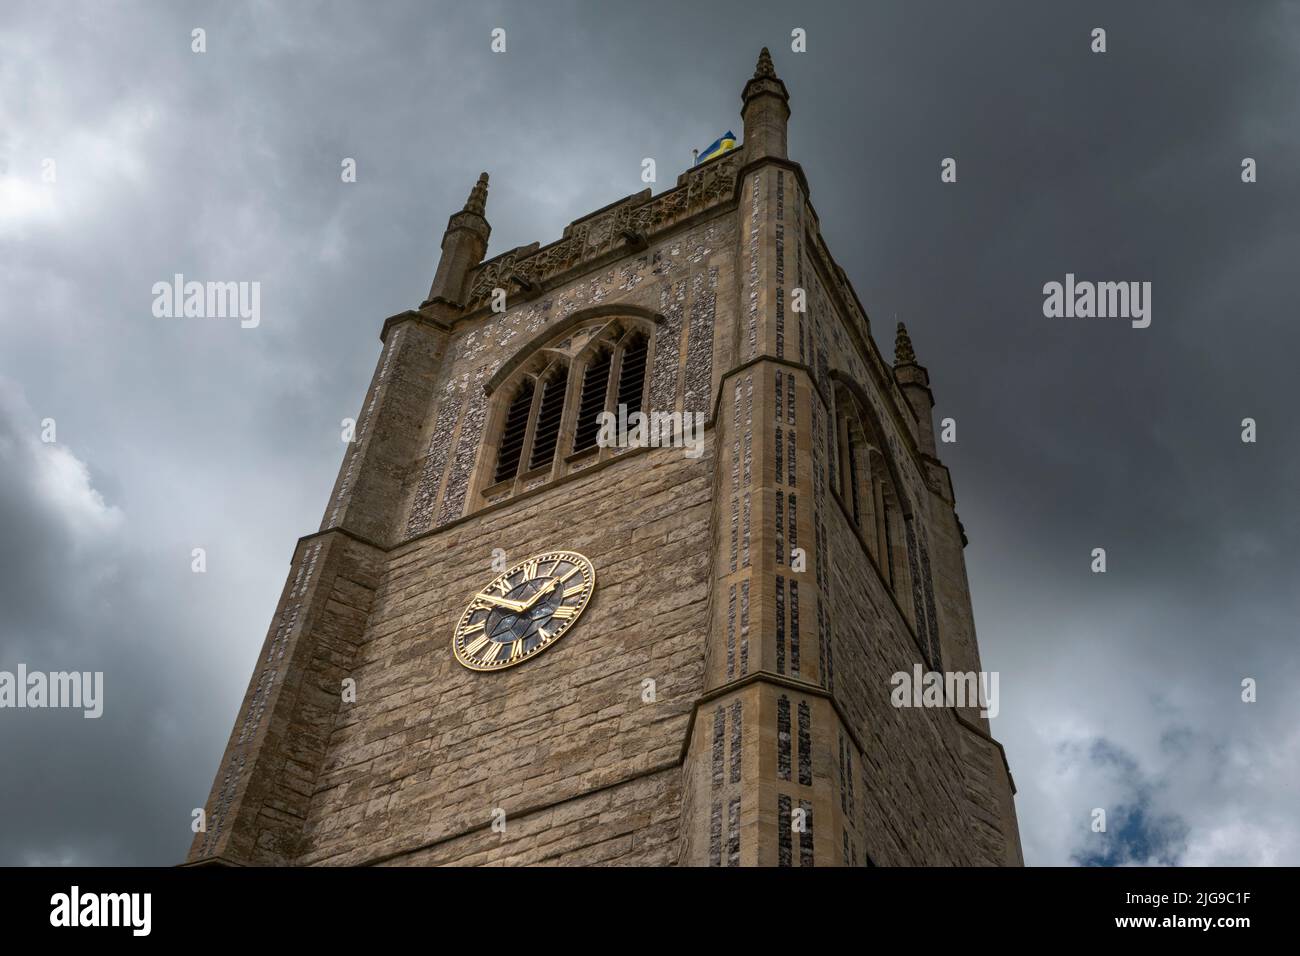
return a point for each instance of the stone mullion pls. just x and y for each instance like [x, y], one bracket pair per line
[611, 380]
[568, 417]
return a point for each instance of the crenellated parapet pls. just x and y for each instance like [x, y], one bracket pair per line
[626, 226]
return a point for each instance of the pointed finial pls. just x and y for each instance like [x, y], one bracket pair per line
[477, 201]
[903, 354]
[463, 244]
[765, 112]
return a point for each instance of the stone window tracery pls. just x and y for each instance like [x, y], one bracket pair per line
[547, 414]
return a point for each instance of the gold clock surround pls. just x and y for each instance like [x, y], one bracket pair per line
[523, 611]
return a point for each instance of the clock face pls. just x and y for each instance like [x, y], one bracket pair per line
[524, 611]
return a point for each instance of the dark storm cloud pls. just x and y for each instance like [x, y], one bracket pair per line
[78, 594]
[1072, 434]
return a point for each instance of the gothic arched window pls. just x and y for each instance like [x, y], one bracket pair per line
[548, 400]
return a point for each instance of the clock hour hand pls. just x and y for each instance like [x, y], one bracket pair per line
[506, 603]
[538, 596]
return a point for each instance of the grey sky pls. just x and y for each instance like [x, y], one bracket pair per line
[1118, 690]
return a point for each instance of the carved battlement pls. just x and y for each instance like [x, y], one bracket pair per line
[629, 223]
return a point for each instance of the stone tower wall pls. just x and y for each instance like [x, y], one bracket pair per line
[770, 684]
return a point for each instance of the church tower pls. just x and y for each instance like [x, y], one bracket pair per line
[523, 636]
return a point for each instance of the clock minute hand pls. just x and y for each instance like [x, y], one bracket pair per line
[538, 596]
[502, 602]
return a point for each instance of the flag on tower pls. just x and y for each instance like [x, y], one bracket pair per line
[723, 144]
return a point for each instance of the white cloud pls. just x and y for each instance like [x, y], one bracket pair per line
[58, 478]
[63, 481]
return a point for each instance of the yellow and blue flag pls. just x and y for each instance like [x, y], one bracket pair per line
[723, 144]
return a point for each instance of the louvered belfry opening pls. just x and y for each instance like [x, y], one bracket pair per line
[512, 434]
[631, 374]
[550, 411]
[592, 401]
